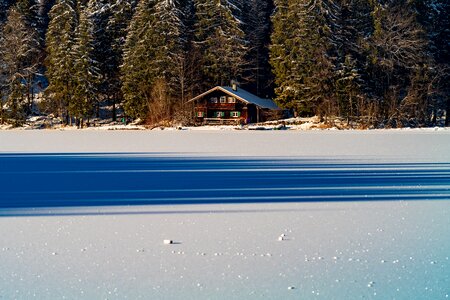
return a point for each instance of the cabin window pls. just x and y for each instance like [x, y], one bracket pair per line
[235, 114]
[220, 114]
[200, 114]
[213, 100]
[231, 100]
[223, 99]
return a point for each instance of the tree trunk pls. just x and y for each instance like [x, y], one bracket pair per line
[434, 118]
[447, 114]
[114, 117]
[97, 109]
[2, 112]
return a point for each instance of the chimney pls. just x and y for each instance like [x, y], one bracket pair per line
[234, 85]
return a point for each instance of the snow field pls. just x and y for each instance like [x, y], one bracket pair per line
[351, 250]
[338, 250]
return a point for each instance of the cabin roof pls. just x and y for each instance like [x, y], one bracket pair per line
[242, 95]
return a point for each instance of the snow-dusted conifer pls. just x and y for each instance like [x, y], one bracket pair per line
[435, 15]
[99, 12]
[85, 71]
[348, 89]
[116, 32]
[18, 64]
[220, 40]
[60, 40]
[256, 25]
[29, 10]
[299, 54]
[153, 43]
[351, 24]
[186, 61]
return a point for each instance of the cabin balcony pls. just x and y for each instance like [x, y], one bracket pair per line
[221, 121]
[222, 106]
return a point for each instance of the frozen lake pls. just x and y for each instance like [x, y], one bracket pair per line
[272, 215]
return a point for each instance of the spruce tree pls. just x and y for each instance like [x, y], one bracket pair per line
[18, 66]
[29, 10]
[116, 32]
[280, 49]
[348, 89]
[99, 13]
[299, 55]
[352, 24]
[186, 75]
[60, 41]
[220, 40]
[152, 46]
[435, 17]
[257, 26]
[85, 72]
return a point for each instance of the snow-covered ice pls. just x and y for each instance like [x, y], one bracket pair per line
[330, 250]
[381, 145]
[44, 257]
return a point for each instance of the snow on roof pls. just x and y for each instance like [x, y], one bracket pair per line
[242, 95]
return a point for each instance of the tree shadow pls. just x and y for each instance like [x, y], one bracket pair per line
[121, 179]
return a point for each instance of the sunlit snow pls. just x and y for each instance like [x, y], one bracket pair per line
[391, 243]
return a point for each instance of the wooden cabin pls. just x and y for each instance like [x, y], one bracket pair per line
[232, 105]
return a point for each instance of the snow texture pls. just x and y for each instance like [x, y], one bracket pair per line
[328, 250]
[399, 145]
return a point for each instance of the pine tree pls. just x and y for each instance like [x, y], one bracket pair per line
[29, 10]
[442, 56]
[116, 31]
[220, 40]
[435, 16]
[85, 72]
[60, 41]
[18, 66]
[152, 46]
[280, 49]
[351, 25]
[99, 13]
[348, 89]
[42, 9]
[257, 26]
[299, 55]
[186, 60]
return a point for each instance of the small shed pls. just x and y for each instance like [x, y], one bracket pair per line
[233, 105]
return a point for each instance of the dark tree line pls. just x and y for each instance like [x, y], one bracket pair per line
[375, 62]
[379, 62]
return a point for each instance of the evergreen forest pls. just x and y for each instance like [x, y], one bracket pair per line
[379, 63]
